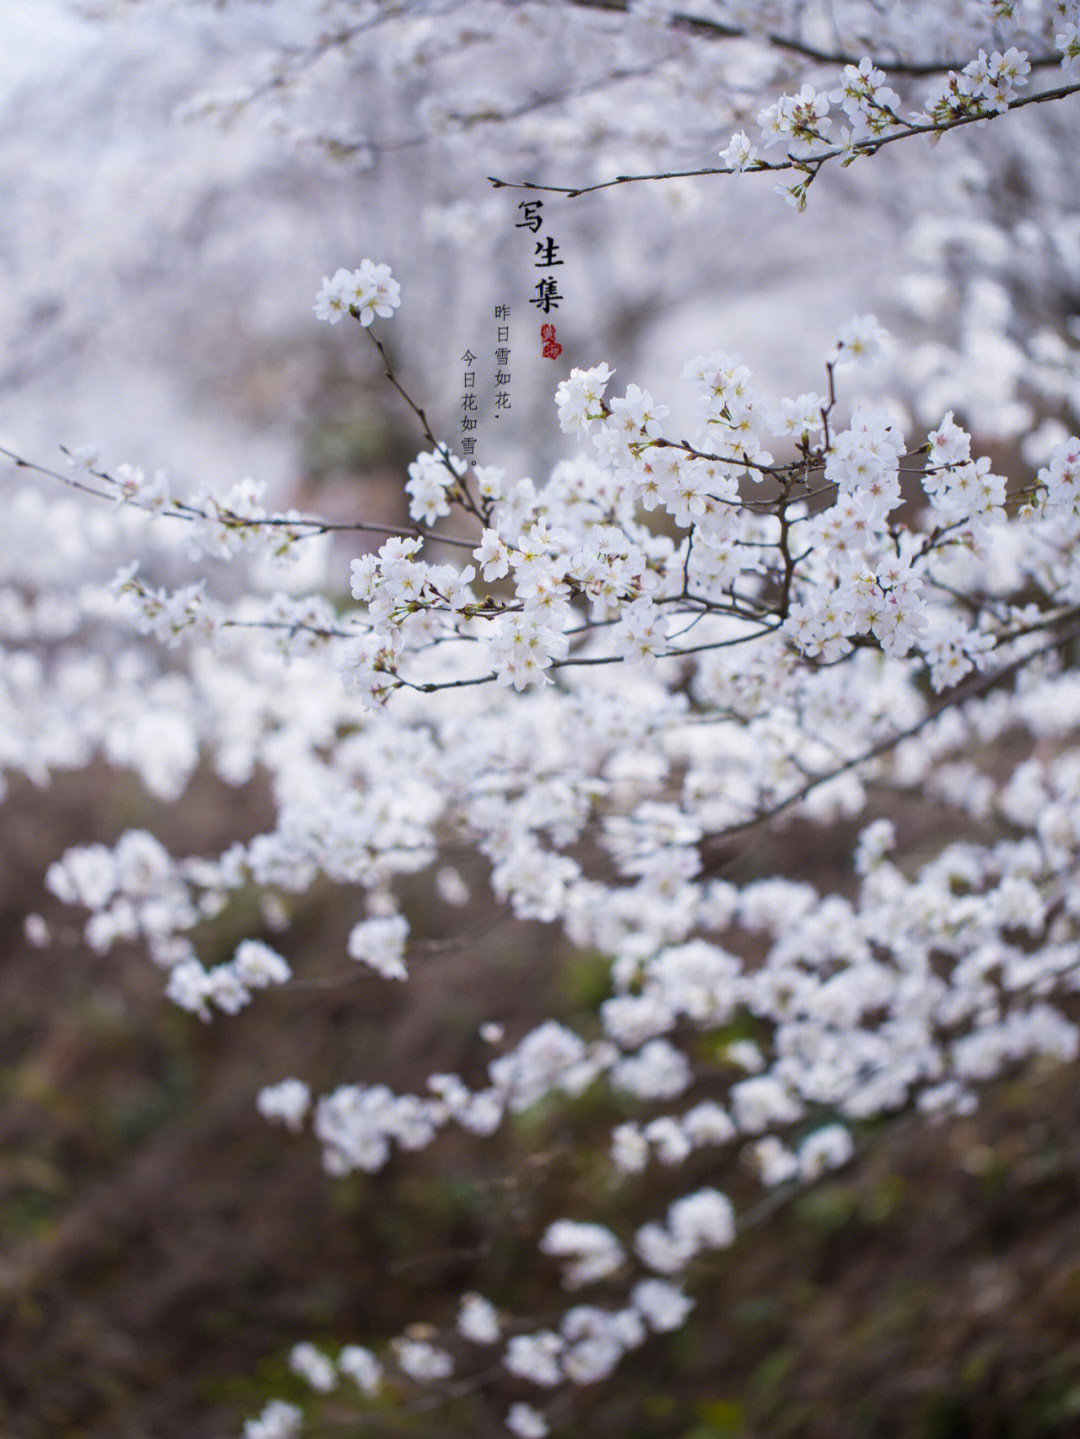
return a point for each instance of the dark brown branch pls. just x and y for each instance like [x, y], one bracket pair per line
[718, 30]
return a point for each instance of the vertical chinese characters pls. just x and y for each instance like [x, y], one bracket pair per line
[547, 294]
[502, 359]
[468, 404]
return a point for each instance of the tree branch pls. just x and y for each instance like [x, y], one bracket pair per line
[803, 162]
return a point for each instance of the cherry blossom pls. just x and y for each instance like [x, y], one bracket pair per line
[595, 678]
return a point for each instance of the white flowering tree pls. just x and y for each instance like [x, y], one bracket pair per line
[605, 682]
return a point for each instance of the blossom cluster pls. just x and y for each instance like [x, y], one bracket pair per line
[365, 292]
[228, 986]
[664, 643]
[985, 86]
[803, 122]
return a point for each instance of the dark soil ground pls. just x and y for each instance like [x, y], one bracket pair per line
[162, 1247]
